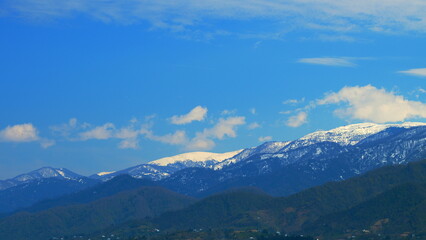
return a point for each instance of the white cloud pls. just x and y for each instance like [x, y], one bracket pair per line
[265, 139]
[341, 16]
[372, 104]
[196, 114]
[24, 133]
[19, 133]
[224, 128]
[101, 132]
[253, 111]
[420, 72]
[328, 61]
[253, 126]
[297, 120]
[421, 90]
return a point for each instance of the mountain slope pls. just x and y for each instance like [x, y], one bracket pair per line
[393, 212]
[86, 218]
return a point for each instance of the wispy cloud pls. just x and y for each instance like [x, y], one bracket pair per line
[254, 125]
[229, 112]
[342, 16]
[329, 61]
[177, 138]
[128, 135]
[265, 139]
[420, 72]
[196, 114]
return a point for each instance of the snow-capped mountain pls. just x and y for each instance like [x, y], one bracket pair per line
[164, 167]
[333, 142]
[282, 168]
[42, 173]
[352, 134]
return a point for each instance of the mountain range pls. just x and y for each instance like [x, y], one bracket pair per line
[278, 168]
[386, 203]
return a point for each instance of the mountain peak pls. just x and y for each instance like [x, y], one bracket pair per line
[41, 173]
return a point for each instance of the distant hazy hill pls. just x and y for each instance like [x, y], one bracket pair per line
[25, 195]
[101, 190]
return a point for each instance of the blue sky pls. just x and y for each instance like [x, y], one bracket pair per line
[103, 85]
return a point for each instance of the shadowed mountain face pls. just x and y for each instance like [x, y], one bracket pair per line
[86, 218]
[27, 194]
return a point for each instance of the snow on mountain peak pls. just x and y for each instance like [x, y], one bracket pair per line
[195, 157]
[352, 134]
[104, 173]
